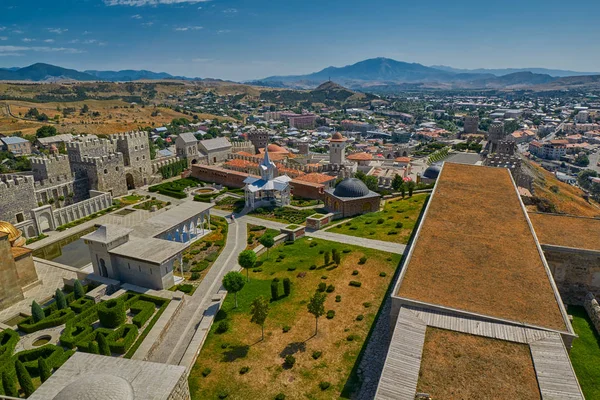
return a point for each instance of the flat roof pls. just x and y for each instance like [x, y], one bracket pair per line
[457, 365]
[475, 251]
[567, 230]
[167, 220]
[154, 251]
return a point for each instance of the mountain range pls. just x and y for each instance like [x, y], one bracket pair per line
[376, 74]
[385, 72]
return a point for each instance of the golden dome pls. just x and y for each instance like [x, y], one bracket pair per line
[8, 228]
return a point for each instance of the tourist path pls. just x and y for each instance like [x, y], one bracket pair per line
[182, 329]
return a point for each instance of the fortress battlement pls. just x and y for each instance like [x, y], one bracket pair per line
[130, 135]
[100, 161]
[10, 182]
[56, 180]
[48, 160]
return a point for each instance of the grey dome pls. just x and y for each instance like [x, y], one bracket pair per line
[432, 172]
[95, 387]
[351, 187]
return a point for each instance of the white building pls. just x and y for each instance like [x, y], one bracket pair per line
[269, 189]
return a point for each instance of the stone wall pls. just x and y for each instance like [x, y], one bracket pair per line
[575, 271]
[106, 173]
[136, 155]
[221, 176]
[98, 201]
[318, 223]
[181, 391]
[593, 310]
[17, 197]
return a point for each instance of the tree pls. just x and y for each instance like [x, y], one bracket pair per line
[44, 369]
[78, 289]
[233, 282]
[46, 131]
[61, 302]
[24, 378]
[582, 160]
[397, 182]
[103, 345]
[287, 286]
[8, 383]
[583, 178]
[326, 258]
[411, 187]
[336, 257]
[247, 259]
[316, 306]
[259, 311]
[275, 289]
[268, 242]
[36, 312]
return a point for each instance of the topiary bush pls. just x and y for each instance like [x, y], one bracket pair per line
[24, 379]
[37, 314]
[206, 372]
[290, 360]
[322, 287]
[274, 290]
[111, 313]
[55, 319]
[362, 260]
[316, 355]
[287, 286]
[324, 385]
[78, 289]
[121, 339]
[330, 289]
[355, 283]
[330, 314]
[143, 310]
[81, 304]
[222, 327]
[244, 370]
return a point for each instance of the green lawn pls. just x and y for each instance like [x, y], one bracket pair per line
[340, 339]
[284, 215]
[394, 224]
[585, 353]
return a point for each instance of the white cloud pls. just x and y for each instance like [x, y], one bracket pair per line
[3, 38]
[11, 54]
[58, 31]
[136, 16]
[230, 11]
[141, 3]
[28, 40]
[18, 31]
[41, 49]
[221, 31]
[147, 23]
[49, 41]
[2, 28]
[188, 28]
[86, 32]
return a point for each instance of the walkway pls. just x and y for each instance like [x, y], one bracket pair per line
[182, 329]
[389, 247]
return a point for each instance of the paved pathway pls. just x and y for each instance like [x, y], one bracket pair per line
[357, 241]
[182, 329]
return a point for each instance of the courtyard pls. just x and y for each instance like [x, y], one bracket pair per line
[235, 362]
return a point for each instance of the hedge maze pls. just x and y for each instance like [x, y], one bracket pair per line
[119, 321]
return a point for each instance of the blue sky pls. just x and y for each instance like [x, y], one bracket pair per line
[240, 40]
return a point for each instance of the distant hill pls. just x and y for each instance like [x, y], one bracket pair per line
[44, 72]
[328, 93]
[505, 71]
[133, 75]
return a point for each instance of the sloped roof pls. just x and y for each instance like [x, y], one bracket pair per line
[188, 137]
[215, 144]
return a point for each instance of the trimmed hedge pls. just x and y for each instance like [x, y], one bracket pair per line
[51, 353]
[81, 304]
[8, 342]
[121, 340]
[55, 319]
[111, 313]
[143, 310]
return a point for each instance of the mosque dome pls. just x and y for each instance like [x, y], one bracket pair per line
[351, 187]
[8, 228]
[337, 136]
[97, 386]
[273, 148]
[432, 172]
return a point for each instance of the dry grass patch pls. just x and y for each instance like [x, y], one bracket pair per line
[476, 251]
[461, 366]
[226, 353]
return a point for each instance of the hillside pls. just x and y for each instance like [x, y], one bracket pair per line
[328, 93]
[561, 197]
[44, 72]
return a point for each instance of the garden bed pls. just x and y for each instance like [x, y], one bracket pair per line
[284, 215]
[255, 232]
[328, 357]
[175, 188]
[148, 204]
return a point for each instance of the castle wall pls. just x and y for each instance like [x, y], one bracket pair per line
[575, 271]
[98, 201]
[136, 156]
[106, 173]
[17, 197]
[221, 176]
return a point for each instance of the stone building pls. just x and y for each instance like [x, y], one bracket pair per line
[269, 189]
[136, 157]
[351, 197]
[147, 254]
[16, 145]
[337, 149]
[216, 150]
[471, 124]
[187, 147]
[495, 136]
[259, 138]
[91, 376]
[17, 271]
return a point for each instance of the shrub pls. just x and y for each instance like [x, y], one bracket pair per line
[380, 221]
[185, 288]
[355, 284]
[399, 225]
[111, 313]
[54, 319]
[312, 267]
[324, 277]
[382, 274]
[8, 383]
[338, 298]
[24, 379]
[312, 244]
[206, 372]
[222, 394]
[322, 287]
[362, 260]
[36, 312]
[222, 327]
[103, 345]
[61, 302]
[316, 355]
[324, 385]
[360, 317]
[330, 289]
[78, 289]
[392, 232]
[366, 304]
[286, 328]
[350, 338]
[122, 339]
[244, 370]
[195, 276]
[321, 251]
[330, 314]
[44, 371]
[291, 268]
[290, 360]
[287, 286]
[355, 272]
[280, 396]
[274, 290]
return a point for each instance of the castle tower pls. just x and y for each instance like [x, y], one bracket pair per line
[337, 149]
[136, 157]
[495, 136]
[259, 138]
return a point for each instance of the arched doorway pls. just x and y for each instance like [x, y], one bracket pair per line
[44, 222]
[194, 161]
[130, 182]
[103, 270]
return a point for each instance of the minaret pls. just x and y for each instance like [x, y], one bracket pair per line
[268, 170]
